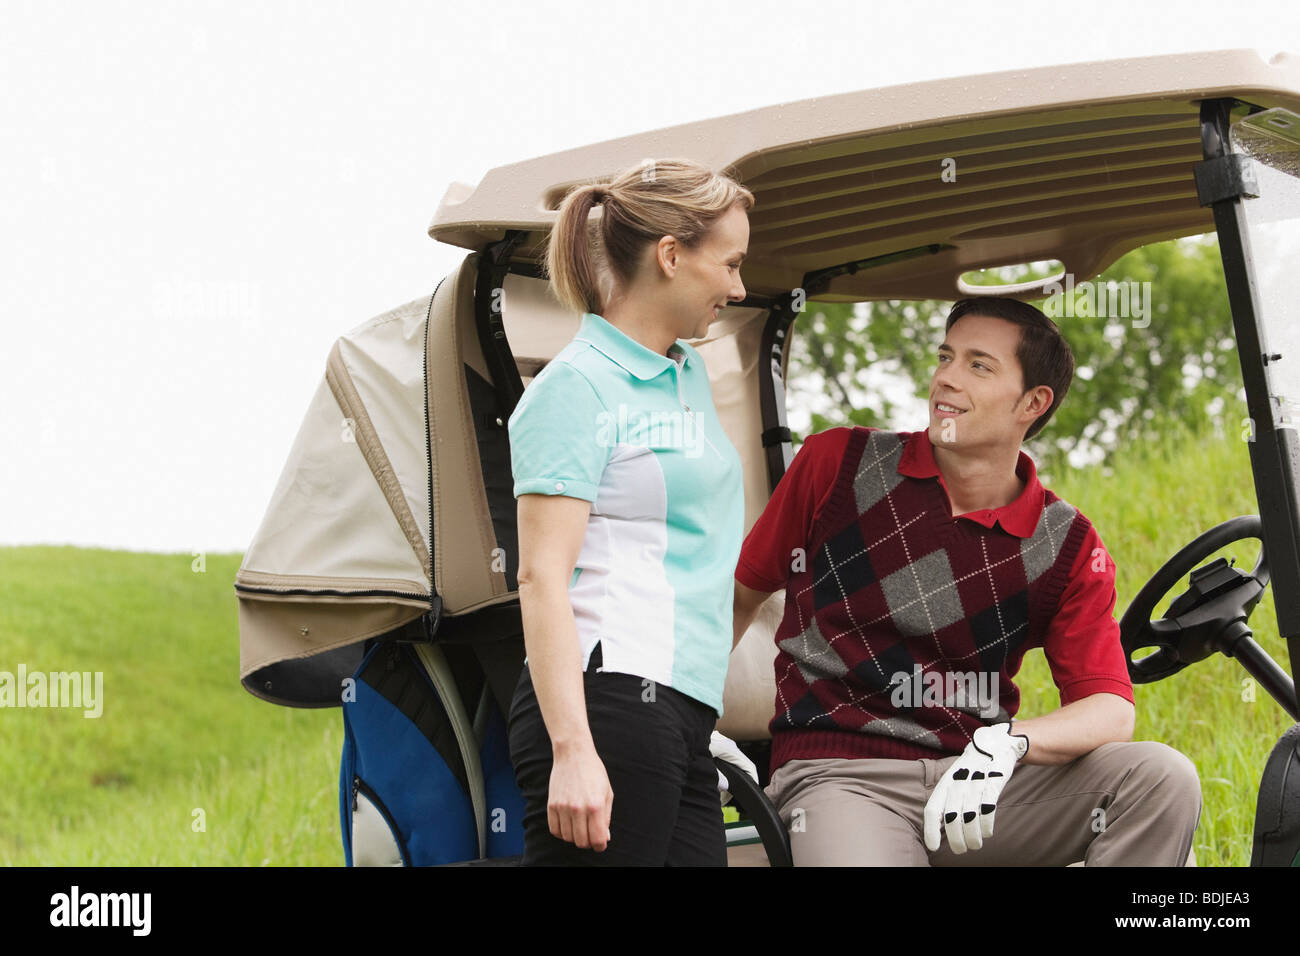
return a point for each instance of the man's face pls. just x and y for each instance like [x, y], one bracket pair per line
[979, 376]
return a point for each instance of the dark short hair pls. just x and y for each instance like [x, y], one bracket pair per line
[1044, 355]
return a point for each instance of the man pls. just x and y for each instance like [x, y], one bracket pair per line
[919, 567]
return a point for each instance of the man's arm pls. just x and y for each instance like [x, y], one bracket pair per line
[767, 553]
[1087, 664]
[976, 779]
[744, 607]
[1076, 729]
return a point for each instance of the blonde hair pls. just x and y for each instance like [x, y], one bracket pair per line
[656, 198]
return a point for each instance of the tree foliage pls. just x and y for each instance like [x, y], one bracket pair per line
[871, 363]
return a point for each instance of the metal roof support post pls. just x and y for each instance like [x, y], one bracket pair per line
[1223, 181]
[776, 436]
[493, 266]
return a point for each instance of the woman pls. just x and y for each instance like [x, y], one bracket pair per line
[631, 512]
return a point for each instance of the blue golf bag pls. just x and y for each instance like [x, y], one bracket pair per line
[424, 780]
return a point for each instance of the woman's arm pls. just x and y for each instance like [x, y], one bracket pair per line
[551, 531]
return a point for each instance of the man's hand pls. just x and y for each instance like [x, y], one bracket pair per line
[966, 796]
[725, 747]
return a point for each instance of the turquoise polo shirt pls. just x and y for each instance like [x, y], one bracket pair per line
[636, 434]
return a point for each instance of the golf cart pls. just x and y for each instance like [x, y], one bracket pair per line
[382, 577]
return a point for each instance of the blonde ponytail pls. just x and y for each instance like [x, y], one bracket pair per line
[656, 198]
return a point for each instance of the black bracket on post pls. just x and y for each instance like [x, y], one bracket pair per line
[1225, 177]
[776, 435]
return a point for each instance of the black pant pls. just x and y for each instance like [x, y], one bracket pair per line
[654, 743]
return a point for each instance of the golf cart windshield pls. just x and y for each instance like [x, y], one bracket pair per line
[1272, 141]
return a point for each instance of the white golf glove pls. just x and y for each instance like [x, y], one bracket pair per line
[967, 794]
[725, 747]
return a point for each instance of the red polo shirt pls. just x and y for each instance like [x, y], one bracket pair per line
[1082, 647]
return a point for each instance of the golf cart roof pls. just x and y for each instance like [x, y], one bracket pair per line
[1078, 163]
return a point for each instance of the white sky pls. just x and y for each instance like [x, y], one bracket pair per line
[199, 198]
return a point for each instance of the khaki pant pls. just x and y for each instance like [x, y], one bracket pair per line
[1135, 803]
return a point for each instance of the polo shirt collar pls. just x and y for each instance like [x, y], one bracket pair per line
[642, 362]
[1020, 517]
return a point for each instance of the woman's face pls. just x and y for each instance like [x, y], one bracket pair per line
[708, 276]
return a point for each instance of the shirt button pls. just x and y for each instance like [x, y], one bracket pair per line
[559, 486]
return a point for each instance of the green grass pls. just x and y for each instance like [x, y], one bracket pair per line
[179, 733]
[1159, 497]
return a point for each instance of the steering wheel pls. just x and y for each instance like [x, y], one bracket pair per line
[1183, 637]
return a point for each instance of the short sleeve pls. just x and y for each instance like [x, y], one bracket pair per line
[786, 523]
[556, 432]
[1082, 646]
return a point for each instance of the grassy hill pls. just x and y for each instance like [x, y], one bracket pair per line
[180, 742]
[178, 733]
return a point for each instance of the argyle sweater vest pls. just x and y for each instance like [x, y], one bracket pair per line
[904, 627]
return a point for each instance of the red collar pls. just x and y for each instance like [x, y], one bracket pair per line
[1019, 518]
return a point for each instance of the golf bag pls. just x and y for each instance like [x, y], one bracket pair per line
[382, 578]
[423, 782]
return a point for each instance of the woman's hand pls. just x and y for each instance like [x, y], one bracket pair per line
[579, 799]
